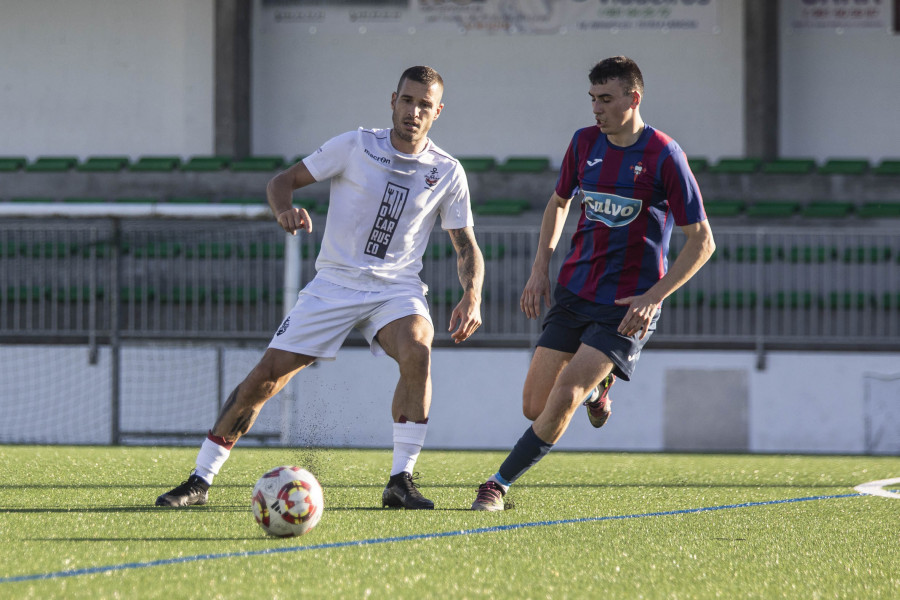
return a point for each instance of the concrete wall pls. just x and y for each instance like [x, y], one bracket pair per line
[682, 401]
[92, 77]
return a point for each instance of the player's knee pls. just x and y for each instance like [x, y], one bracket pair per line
[531, 406]
[415, 359]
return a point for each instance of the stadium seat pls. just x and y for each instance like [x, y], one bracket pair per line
[246, 200]
[158, 250]
[136, 293]
[264, 250]
[844, 166]
[477, 164]
[206, 163]
[723, 208]
[888, 167]
[772, 209]
[879, 210]
[186, 295]
[789, 166]
[136, 200]
[826, 210]
[697, 164]
[685, 299]
[160, 164]
[493, 251]
[84, 200]
[524, 164]
[77, 293]
[52, 164]
[438, 251]
[189, 200]
[791, 299]
[28, 293]
[736, 299]
[32, 199]
[735, 166]
[257, 163]
[867, 254]
[104, 164]
[502, 206]
[817, 254]
[9, 164]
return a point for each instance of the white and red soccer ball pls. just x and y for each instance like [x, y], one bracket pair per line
[287, 501]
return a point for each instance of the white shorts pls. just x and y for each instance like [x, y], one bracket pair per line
[326, 313]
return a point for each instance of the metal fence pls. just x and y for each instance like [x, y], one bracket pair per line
[99, 279]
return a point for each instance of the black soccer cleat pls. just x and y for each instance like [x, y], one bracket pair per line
[401, 492]
[194, 491]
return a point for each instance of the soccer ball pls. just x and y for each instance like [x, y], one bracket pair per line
[287, 501]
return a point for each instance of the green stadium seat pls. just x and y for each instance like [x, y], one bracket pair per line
[524, 164]
[158, 250]
[808, 255]
[241, 295]
[879, 210]
[888, 167]
[772, 209]
[257, 163]
[136, 200]
[76, 293]
[52, 164]
[697, 164]
[789, 166]
[32, 199]
[493, 251]
[735, 166]
[685, 299]
[751, 254]
[9, 164]
[186, 295]
[104, 164]
[846, 300]
[11, 249]
[502, 206]
[26, 293]
[156, 164]
[867, 254]
[723, 208]
[210, 250]
[84, 199]
[438, 251]
[844, 166]
[136, 294]
[792, 299]
[826, 210]
[477, 164]
[246, 200]
[264, 250]
[206, 163]
[49, 250]
[189, 200]
[735, 299]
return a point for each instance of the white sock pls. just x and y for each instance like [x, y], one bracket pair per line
[210, 459]
[496, 479]
[408, 441]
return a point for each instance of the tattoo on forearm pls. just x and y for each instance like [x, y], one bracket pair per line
[470, 263]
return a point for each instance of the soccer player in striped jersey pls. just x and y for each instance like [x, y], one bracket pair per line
[634, 185]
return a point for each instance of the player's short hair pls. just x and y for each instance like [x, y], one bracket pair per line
[425, 75]
[618, 67]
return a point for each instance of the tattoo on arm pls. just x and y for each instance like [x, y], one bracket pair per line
[469, 262]
[236, 424]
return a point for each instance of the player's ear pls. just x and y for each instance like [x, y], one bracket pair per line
[635, 99]
[437, 112]
[393, 100]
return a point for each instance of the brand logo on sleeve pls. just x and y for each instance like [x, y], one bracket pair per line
[385, 226]
[614, 211]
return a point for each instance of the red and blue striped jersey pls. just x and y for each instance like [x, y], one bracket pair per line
[631, 198]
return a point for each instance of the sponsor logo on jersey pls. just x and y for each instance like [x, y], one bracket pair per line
[385, 226]
[614, 211]
[382, 159]
[284, 326]
[595, 161]
[432, 177]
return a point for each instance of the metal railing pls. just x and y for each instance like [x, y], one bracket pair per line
[95, 279]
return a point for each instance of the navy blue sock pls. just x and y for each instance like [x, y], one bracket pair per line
[525, 454]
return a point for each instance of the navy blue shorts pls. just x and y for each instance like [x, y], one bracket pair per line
[573, 321]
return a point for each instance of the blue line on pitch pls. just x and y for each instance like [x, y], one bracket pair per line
[405, 538]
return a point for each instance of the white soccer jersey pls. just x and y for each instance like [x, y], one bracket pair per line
[383, 207]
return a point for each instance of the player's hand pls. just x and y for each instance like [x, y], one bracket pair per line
[468, 315]
[294, 219]
[639, 316]
[537, 287]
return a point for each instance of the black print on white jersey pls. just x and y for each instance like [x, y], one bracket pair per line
[392, 204]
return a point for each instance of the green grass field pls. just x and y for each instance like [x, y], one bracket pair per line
[79, 522]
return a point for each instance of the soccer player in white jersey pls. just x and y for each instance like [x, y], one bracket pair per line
[388, 187]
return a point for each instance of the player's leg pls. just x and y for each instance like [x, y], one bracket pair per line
[546, 365]
[584, 371]
[408, 341]
[267, 378]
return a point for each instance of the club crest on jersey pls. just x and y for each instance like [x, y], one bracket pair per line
[614, 211]
[637, 170]
[432, 177]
